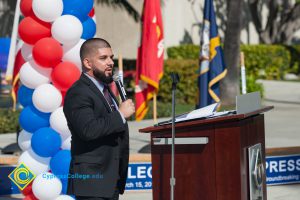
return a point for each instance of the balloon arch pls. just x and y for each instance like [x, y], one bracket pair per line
[52, 32]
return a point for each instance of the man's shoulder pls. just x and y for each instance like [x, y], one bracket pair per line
[78, 86]
[77, 89]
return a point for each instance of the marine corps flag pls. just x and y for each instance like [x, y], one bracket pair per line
[212, 67]
[149, 69]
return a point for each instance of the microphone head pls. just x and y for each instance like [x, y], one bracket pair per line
[116, 77]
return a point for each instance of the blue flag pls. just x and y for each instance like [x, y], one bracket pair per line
[212, 66]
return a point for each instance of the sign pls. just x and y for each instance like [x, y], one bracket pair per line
[139, 176]
[21, 176]
[7, 187]
[283, 169]
[279, 170]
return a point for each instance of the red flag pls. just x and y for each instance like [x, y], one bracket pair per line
[19, 61]
[149, 69]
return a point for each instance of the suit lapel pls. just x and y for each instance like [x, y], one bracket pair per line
[94, 88]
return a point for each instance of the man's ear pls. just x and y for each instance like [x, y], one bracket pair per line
[87, 63]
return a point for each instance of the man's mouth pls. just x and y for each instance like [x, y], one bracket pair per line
[109, 71]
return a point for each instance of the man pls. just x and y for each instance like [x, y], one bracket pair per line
[100, 141]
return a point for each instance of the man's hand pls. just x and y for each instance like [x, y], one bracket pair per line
[127, 108]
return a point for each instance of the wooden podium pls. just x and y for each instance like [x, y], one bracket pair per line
[211, 157]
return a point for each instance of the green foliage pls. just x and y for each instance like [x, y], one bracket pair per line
[9, 121]
[253, 86]
[165, 109]
[262, 61]
[295, 58]
[186, 88]
[187, 51]
[266, 61]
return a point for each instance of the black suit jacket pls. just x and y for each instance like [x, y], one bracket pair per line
[99, 145]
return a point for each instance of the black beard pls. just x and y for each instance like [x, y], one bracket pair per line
[100, 76]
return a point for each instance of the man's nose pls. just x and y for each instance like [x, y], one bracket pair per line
[111, 61]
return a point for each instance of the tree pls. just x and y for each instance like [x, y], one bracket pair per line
[283, 20]
[7, 12]
[230, 84]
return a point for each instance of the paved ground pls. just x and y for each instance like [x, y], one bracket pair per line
[282, 130]
[282, 123]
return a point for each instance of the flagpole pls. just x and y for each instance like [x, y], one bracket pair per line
[13, 44]
[243, 73]
[155, 107]
[175, 80]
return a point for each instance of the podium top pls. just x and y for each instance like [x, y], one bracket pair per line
[197, 122]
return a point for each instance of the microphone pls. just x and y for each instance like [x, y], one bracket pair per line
[120, 87]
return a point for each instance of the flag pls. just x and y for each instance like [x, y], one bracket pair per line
[212, 66]
[149, 68]
[19, 61]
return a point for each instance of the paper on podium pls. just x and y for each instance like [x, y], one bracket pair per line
[206, 111]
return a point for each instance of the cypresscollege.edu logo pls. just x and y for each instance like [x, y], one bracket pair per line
[73, 176]
[22, 176]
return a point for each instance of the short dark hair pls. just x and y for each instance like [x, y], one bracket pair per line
[91, 46]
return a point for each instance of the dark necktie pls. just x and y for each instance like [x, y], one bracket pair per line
[108, 97]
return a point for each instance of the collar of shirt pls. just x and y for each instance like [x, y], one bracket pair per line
[97, 83]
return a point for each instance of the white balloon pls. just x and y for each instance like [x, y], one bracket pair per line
[47, 10]
[46, 98]
[46, 186]
[64, 197]
[66, 144]
[19, 45]
[72, 53]
[59, 123]
[35, 163]
[24, 140]
[26, 51]
[32, 75]
[67, 29]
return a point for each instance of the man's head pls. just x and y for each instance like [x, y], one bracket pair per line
[97, 59]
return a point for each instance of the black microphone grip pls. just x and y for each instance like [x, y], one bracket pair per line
[121, 90]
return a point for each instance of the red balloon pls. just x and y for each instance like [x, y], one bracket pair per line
[64, 75]
[32, 30]
[63, 94]
[30, 197]
[27, 190]
[47, 52]
[92, 12]
[26, 8]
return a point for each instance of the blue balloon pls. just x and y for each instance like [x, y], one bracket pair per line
[78, 8]
[25, 96]
[45, 142]
[77, 14]
[89, 29]
[60, 163]
[31, 119]
[64, 186]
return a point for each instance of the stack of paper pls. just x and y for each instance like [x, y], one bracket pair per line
[198, 113]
